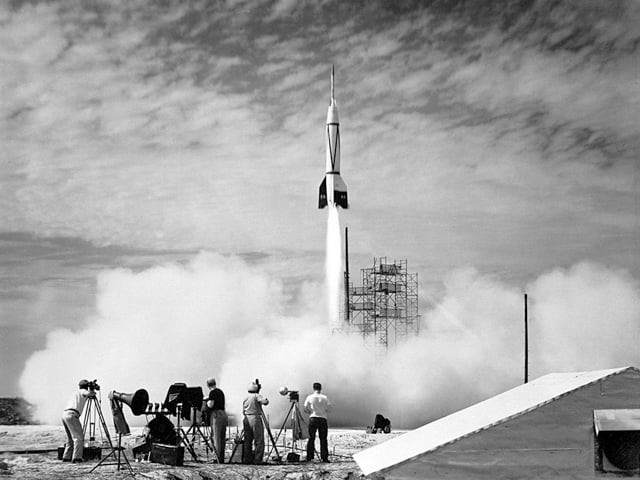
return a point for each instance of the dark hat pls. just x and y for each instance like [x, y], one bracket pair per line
[83, 384]
[253, 388]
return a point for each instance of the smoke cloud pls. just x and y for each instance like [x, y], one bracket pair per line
[220, 316]
[586, 317]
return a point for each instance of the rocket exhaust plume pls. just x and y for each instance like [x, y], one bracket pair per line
[333, 267]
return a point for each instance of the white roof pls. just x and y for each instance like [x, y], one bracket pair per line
[477, 417]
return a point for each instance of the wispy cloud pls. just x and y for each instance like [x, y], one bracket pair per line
[121, 95]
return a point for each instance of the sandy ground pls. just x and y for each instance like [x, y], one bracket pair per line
[41, 464]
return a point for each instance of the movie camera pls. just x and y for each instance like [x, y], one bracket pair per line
[294, 395]
[93, 385]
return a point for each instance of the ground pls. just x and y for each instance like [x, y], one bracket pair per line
[41, 441]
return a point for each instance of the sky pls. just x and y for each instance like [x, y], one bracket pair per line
[493, 145]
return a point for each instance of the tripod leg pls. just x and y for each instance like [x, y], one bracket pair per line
[209, 446]
[238, 441]
[104, 459]
[119, 449]
[124, 455]
[85, 421]
[102, 421]
[182, 438]
[106, 433]
[273, 443]
[284, 423]
[87, 424]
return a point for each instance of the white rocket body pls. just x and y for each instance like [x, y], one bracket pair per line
[333, 190]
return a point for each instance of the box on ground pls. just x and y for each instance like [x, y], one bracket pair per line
[88, 453]
[167, 454]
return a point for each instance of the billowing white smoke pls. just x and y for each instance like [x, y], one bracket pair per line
[220, 316]
[585, 318]
[333, 266]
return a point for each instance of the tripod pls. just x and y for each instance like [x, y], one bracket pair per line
[297, 422]
[240, 440]
[89, 422]
[117, 452]
[183, 437]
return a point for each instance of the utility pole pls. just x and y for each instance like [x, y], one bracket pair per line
[347, 313]
[526, 341]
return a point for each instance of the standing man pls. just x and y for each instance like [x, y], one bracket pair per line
[252, 424]
[318, 406]
[74, 447]
[218, 418]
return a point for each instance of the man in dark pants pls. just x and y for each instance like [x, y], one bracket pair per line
[317, 405]
[217, 417]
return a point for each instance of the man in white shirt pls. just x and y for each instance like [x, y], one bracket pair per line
[71, 420]
[317, 405]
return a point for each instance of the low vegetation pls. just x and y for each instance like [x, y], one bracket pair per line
[15, 411]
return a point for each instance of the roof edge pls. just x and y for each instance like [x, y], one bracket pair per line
[617, 371]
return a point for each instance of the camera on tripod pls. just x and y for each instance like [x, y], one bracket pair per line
[187, 397]
[294, 395]
[93, 385]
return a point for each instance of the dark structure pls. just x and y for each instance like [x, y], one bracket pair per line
[384, 310]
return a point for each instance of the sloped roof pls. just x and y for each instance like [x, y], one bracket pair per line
[480, 416]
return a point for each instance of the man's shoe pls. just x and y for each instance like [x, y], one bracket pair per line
[66, 459]
[326, 460]
[77, 460]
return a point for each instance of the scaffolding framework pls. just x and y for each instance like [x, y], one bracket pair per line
[384, 310]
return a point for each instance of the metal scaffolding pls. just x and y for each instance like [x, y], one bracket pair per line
[384, 310]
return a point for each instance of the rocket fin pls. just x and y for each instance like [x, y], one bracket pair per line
[322, 194]
[340, 192]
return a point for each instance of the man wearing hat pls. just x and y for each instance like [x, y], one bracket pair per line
[71, 420]
[217, 418]
[252, 424]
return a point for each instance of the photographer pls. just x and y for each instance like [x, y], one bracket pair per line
[218, 419]
[71, 420]
[253, 425]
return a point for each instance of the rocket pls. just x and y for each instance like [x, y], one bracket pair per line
[333, 190]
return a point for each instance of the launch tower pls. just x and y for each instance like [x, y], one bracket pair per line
[384, 310]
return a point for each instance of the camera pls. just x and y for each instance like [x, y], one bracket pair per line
[294, 395]
[93, 385]
[188, 397]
